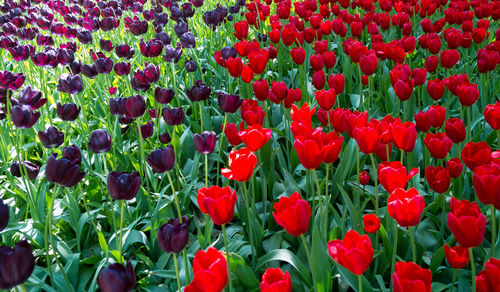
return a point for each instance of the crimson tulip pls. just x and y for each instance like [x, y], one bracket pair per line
[492, 115]
[438, 178]
[241, 165]
[486, 181]
[487, 279]
[292, 213]
[457, 256]
[210, 272]
[218, 203]
[371, 223]
[466, 222]
[255, 136]
[405, 207]
[404, 135]
[409, 276]
[274, 280]
[393, 175]
[355, 252]
[476, 154]
[455, 130]
[438, 144]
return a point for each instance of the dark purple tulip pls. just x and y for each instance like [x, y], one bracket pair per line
[26, 34]
[71, 84]
[63, 171]
[20, 52]
[164, 95]
[163, 37]
[197, 3]
[75, 67]
[43, 40]
[161, 19]
[40, 59]
[228, 52]
[180, 28]
[84, 36]
[31, 97]
[52, 58]
[152, 48]
[117, 106]
[140, 84]
[123, 186]
[104, 65]
[100, 141]
[23, 117]
[31, 168]
[122, 68]
[66, 56]
[124, 51]
[135, 106]
[171, 54]
[161, 160]
[151, 73]
[165, 138]
[190, 66]
[173, 116]
[16, 264]
[147, 130]
[199, 91]
[109, 23]
[117, 278]
[205, 142]
[174, 235]
[188, 40]
[187, 10]
[73, 153]
[106, 45]
[68, 112]
[4, 215]
[136, 26]
[229, 103]
[7, 42]
[9, 80]
[176, 14]
[89, 71]
[51, 137]
[9, 28]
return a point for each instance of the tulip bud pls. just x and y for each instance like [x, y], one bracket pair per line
[116, 277]
[23, 117]
[364, 178]
[173, 116]
[174, 235]
[162, 160]
[51, 137]
[100, 141]
[123, 186]
[31, 168]
[63, 171]
[68, 112]
[205, 142]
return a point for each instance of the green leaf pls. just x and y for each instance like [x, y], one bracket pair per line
[286, 256]
[243, 272]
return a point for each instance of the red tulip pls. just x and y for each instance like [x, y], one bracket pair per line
[367, 138]
[293, 214]
[260, 89]
[255, 136]
[457, 256]
[241, 30]
[409, 276]
[231, 133]
[476, 154]
[393, 175]
[486, 180]
[431, 64]
[454, 167]
[337, 83]
[274, 280]
[332, 144]
[368, 64]
[298, 55]
[371, 223]
[241, 165]
[329, 59]
[251, 112]
[492, 115]
[325, 98]
[247, 74]
[405, 207]
[468, 94]
[316, 62]
[436, 115]
[403, 89]
[234, 66]
[355, 252]
[210, 272]
[258, 60]
[310, 149]
[435, 88]
[419, 75]
[438, 178]
[319, 79]
[438, 144]
[466, 222]
[455, 130]
[449, 58]
[218, 203]
[404, 135]
[487, 279]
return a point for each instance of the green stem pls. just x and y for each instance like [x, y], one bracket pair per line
[395, 249]
[119, 239]
[201, 116]
[318, 188]
[220, 147]
[326, 202]
[22, 288]
[376, 182]
[308, 255]
[493, 230]
[177, 204]
[176, 265]
[250, 230]
[453, 280]
[469, 138]
[206, 170]
[141, 149]
[227, 257]
[360, 284]
[472, 269]
[413, 248]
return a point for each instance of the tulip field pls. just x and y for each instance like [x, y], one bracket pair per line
[250, 145]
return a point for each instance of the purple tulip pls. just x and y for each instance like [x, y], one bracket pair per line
[164, 95]
[66, 56]
[106, 45]
[190, 65]
[4, 215]
[84, 36]
[23, 117]
[146, 130]
[165, 138]
[68, 112]
[174, 235]
[152, 48]
[122, 68]
[135, 26]
[73, 153]
[229, 103]
[31, 97]
[51, 137]
[199, 91]
[123, 186]
[16, 264]
[205, 142]
[161, 160]
[172, 54]
[135, 106]
[63, 171]
[71, 84]
[173, 116]
[100, 141]
[31, 168]
[117, 278]
[103, 65]
[12, 81]
[124, 51]
[89, 71]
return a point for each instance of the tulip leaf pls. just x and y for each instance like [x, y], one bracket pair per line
[102, 242]
[286, 256]
[352, 279]
[243, 272]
